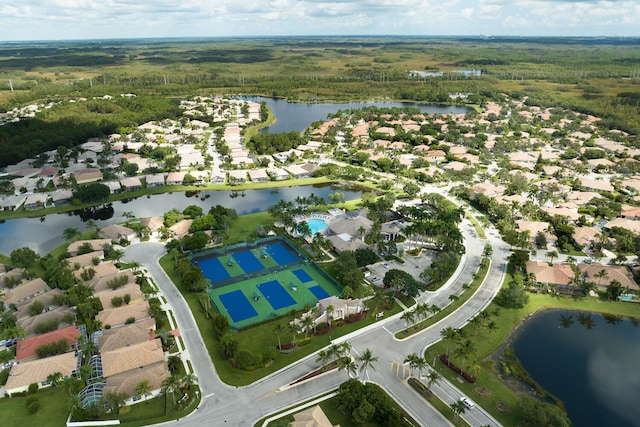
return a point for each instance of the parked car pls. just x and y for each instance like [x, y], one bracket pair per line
[2, 343]
[467, 402]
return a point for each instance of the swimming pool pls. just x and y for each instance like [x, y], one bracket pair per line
[317, 226]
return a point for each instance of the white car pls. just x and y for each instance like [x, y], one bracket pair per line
[467, 402]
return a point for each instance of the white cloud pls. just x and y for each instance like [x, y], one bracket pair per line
[65, 19]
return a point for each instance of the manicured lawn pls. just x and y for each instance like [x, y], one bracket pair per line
[156, 410]
[53, 409]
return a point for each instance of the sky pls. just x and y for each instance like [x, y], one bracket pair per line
[106, 19]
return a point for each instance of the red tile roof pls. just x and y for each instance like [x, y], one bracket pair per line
[26, 349]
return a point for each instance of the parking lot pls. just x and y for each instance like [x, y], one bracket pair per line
[412, 265]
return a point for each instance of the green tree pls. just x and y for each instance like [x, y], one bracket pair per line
[115, 400]
[458, 409]
[367, 360]
[24, 257]
[143, 388]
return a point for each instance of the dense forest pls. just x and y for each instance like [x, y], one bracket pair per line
[68, 124]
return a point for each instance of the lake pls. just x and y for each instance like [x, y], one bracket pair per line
[44, 234]
[590, 362]
[297, 116]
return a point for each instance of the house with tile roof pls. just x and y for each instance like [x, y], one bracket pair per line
[25, 291]
[120, 315]
[95, 244]
[115, 233]
[126, 336]
[127, 382]
[614, 272]
[132, 357]
[131, 289]
[312, 417]
[559, 275]
[26, 348]
[37, 371]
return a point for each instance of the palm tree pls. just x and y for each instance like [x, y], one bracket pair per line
[421, 363]
[409, 317]
[307, 323]
[345, 347]
[335, 350]
[115, 400]
[323, 357]
[448, 334]
[278, 330]
[294, 328]
[188, 380]
[170, 385]
[464, 350]
[55, 379]
[412, 360]
[329, 311]
[349, 365]
[143, 388]
[552, 255]
[361, 231]
[433, 377]
[602, 274]
[70, 233]
[129, 216]
[458, 408]
[367, 359]
[475, 369]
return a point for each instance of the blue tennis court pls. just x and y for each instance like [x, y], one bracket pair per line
[302, 275]
[276, 295]
[237, 305]
[280, 254]
[213, 269]
[248, 262]
[319, 292]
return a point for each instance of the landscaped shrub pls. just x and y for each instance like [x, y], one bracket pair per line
[48, 326]
[32, 404]
[52, 349]
[130, 320]
[117, 301]
[418, 386]
[33, 388]
[4, 376]
[248, 360]
[445, 360]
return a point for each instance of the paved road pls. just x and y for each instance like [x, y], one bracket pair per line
[244, 405]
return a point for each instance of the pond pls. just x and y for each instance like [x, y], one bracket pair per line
[589, 361]
[45, 233]
[296, 116]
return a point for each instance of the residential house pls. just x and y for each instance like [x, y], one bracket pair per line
[237, 177]
[131, 289]
[297, 171]
[127, 382]
[181, 228]
[155, 180]
[131, 183]
[95, 244]
[629, 224]
[85, 260]
[37, 371]
[36, 201]
[590, 272]
[119, 316]
[560, 276]
[258, 175]
[87, 175]
[25, 291]
[11, 203]
[26, 348]
[130, 358]
[175, 178]
[116, 232]
[311, 417]
[126, 336]
[218, 176]
[62, 197]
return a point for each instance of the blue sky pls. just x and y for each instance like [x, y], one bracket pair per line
[89, 19]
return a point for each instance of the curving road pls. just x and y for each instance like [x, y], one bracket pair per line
[243, 406]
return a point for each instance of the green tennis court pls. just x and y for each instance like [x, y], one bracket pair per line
[262, 280]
